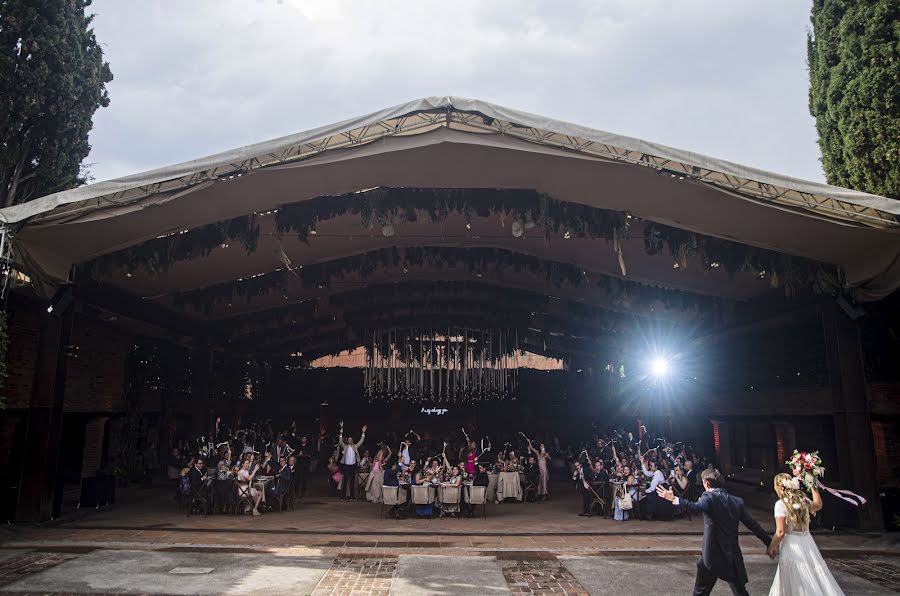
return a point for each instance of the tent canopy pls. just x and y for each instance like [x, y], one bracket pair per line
[457, 143]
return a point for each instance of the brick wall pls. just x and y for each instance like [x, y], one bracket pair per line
[96, 379]
[93, 446]
[21, 356]
[887, 451]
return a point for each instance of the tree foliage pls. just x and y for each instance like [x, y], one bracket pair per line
[52, 80]
[854, 67]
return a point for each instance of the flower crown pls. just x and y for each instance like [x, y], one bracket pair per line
[791, 483]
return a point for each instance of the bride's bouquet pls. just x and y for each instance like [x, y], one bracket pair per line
[807, 468]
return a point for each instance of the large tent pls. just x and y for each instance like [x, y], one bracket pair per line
[550, 199]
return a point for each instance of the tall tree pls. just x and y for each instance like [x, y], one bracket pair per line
[854, 68]
[52, 80]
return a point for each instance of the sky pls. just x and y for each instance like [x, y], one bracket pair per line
[194, 77]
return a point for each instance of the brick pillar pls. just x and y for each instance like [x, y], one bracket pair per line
[40, 495]
[94, 435]
[722, 437]
[852, 423]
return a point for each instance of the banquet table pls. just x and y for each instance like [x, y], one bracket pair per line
[491, 493]
[509, 486]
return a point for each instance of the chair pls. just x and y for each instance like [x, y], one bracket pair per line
[391, 496]
[529, 488]
[477, 495]
[450, 497]
[422, 495]
[597, 501]
[198, 497]
[279, 497]
[243, 496]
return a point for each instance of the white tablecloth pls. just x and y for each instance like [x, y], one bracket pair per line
[491, 493]
[508, 486]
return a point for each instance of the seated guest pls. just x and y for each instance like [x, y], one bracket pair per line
[455, 479]
[680, 484]
[282, 484]
[245, 482]
[421, 477]
[627, 487]
[481, 475]
[197, 475]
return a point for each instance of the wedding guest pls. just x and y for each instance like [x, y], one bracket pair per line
[350, 458]
[543, 458]
[245, 482]
[304, 455]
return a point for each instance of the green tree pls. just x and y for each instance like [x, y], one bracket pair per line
[854, 69]
[52, 80]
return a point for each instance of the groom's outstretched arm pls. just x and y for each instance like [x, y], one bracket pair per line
[754, 527]
[701, 506]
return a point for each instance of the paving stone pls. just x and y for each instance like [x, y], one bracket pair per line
[145, 572]
[419, 575]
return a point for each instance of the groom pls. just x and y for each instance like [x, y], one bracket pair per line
[722, 512]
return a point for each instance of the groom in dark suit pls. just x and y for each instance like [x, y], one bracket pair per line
[722, 513]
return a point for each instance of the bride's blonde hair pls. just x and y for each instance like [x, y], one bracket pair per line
[794, 500]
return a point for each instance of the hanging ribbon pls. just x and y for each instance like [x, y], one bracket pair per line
[845, 495]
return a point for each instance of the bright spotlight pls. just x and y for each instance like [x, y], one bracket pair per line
[659, 367]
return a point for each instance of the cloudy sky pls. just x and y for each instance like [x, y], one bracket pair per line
[194, 77]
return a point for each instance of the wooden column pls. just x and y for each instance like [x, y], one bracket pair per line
[852, 423]
[40, 495]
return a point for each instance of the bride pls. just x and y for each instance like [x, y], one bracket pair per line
[801, 569]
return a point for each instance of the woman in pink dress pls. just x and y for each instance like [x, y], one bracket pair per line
[470, 459]
[542, 458]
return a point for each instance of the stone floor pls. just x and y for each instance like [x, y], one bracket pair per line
[223, 571]
[330, 547]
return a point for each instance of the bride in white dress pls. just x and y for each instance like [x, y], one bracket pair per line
[801, 569]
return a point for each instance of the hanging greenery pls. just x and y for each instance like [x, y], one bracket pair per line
[158, 255]
[521, 208]
[481, 262]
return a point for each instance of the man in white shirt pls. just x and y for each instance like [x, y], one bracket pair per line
[648, 504]
[404, 455]
[349, 459]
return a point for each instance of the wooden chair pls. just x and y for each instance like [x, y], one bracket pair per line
[391, 495]
[477, 495]
[279, 497]
[450, 497]
[244, 496]
[597, 501]
[529, 488]
[198, 497]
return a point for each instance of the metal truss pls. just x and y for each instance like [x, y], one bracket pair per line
[476, 122]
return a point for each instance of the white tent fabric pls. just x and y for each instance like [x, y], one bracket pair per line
[56, 231]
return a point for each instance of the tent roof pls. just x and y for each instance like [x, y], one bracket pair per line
[425, 143]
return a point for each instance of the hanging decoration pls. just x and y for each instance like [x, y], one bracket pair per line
[481, 262]
[447, 365]
[380, 209]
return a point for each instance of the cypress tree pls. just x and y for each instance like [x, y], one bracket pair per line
[854, 68]
[52, 80]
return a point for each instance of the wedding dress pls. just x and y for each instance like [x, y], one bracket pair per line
[801, 569]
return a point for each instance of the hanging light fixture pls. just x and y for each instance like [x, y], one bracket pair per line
[451, 365]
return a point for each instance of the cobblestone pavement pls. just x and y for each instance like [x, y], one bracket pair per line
[482, 572]
[19, 565]
[539, 575]
[358, 576]
[879, 572]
